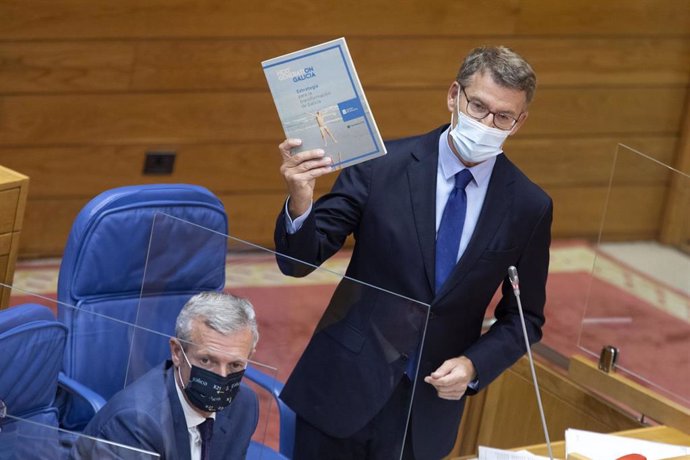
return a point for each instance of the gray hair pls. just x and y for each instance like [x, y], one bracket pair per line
[506, 67]
[222, 312]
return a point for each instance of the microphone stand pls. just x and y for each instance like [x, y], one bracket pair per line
[514, 281]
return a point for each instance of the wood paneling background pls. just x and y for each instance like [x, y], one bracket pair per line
[88, 86]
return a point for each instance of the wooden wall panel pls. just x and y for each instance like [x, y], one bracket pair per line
[46, 225]
[233, 64]
[249, 215]
[645, 17]
[56, 67]
[562, 163]
[87, 87]
[27, 19]
[633, 212]
[232, 168]
[676, 224]
[223, 168]
[221, 18]
[210, 117]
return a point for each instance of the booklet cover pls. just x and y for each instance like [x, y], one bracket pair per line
[320, 100]
[597, 446]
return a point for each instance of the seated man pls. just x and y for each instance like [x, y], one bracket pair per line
[191, 407]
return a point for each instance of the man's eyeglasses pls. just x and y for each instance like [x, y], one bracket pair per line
[479, 111]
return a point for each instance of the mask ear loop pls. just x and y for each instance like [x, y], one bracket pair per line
[179, 374]
[457, 109]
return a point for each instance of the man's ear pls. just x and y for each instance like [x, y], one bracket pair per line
[175, 346]
[452, 97]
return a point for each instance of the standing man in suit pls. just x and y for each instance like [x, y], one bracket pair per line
[396, 206]
[192, 407]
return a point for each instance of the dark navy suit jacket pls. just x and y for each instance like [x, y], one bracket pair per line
[347, 371]
[148, 415]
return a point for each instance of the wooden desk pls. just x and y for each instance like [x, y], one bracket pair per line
[663, 434]
[656, 433]
[14, 188]
[491, 416]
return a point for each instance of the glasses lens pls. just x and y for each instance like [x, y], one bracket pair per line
[503, 121]
[476, 109]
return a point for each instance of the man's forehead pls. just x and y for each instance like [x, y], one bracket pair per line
[231, 344]
[485, 88]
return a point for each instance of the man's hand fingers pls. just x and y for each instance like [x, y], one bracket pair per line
[294, 169]
[309, 165]
[445, 369]
[306, 155]
[287, 145]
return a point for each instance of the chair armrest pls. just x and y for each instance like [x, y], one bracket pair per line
[80, 390]
[287, 416]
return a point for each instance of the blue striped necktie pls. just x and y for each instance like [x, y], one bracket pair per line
[450, 230]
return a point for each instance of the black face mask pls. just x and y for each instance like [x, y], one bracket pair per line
[209, 391]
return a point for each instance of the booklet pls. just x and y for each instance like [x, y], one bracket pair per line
[320, 100]
[596, 446]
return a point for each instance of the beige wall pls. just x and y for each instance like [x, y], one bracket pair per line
[88, 86]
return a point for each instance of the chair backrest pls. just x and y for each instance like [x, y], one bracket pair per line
[32, 344]
[120, 237]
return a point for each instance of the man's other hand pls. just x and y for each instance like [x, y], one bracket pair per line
[452, 378]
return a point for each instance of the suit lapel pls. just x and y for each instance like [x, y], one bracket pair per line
[179, 422]
[496, 205]
[421, 177]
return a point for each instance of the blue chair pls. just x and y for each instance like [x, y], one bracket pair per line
[102, 277]
[259, 451]
[119, 237]
[33, 344]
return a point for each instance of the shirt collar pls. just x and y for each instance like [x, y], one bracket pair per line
[192, 417]
[450, 164]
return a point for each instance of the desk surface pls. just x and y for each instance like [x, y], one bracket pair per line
[656, 433]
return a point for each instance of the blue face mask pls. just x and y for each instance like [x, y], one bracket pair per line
[208, 391]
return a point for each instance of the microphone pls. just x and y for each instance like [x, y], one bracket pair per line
[515, 282]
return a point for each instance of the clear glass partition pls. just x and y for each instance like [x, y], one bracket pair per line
[317, 324]
[32, 402]
[638, 300]
[99, 347]
[38, 399]
[57, 375]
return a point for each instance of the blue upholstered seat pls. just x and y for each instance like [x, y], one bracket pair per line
[32, 344]
[133, 257]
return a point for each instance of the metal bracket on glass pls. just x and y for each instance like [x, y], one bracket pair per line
[608, 358]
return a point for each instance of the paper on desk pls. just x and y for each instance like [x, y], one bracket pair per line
[599, 446]
[489, 453]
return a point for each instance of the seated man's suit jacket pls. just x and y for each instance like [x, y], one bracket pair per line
[348, 370]
[148, 415]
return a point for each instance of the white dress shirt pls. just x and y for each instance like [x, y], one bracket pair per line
[193, 419]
